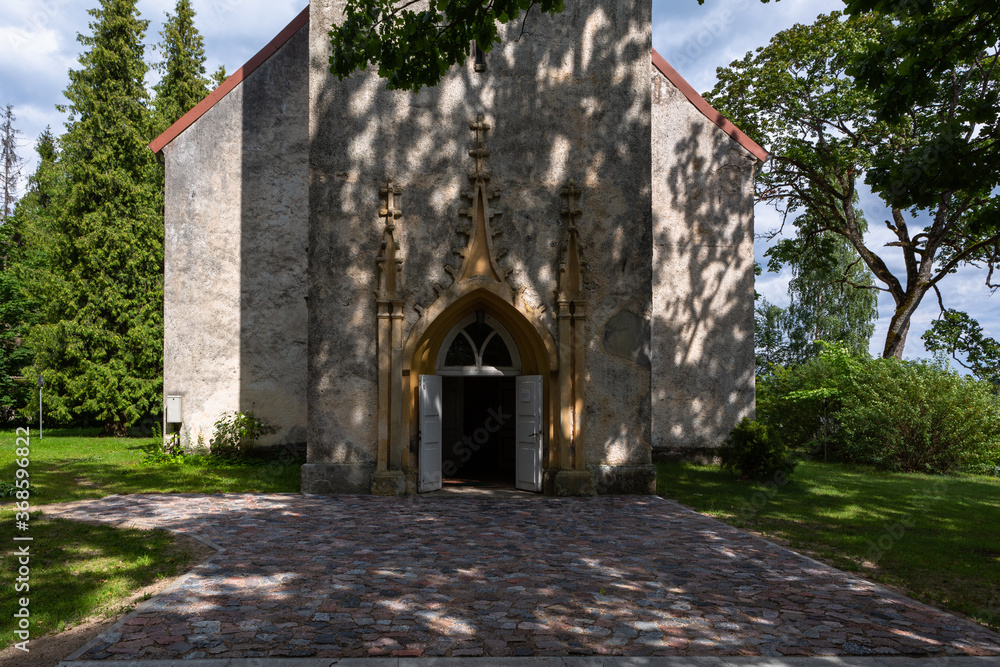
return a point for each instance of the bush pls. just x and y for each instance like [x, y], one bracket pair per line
[800, 404]
[750, 451]
[895, 415]
[918, 417]
[236, 433]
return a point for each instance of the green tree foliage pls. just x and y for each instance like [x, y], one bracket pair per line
[219, 75]
[751, 452]
[892, 414]
[13, 356]
[936, 40]
[770, 337]
[832, 298]
[100, 337]
[20, 262]
[799, 403]
[825, 307]
[918, 417]
[414, 48]
[796, 97]
[960, 337]
[183, 82]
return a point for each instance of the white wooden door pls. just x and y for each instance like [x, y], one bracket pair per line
[430, 433]
[529, 432]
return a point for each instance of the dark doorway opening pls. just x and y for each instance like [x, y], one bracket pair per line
[478, 431]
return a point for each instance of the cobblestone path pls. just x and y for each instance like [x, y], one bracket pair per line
[368, 576]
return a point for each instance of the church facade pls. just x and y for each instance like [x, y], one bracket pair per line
[538, 273]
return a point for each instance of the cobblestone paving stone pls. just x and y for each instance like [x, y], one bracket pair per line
[356, 576]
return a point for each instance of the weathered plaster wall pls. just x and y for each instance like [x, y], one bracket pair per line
[275, 205]
[235, 267]
[569, 100]
[702, 327]
[201, 291]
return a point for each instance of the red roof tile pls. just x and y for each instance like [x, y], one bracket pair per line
[210, 101]
[699, 102]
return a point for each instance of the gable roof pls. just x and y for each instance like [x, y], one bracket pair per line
[213, 98]
[185, 121]
[707, 109]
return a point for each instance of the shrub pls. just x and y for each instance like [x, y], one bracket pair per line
[750, 451]
[918, 417]
[800, 404]
[10, 489]
[236, 433]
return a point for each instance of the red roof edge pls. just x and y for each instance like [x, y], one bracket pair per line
[707, 109]
[185, 121]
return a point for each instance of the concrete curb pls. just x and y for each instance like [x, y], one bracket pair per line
[679, 661]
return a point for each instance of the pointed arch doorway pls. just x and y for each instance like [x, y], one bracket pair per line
[481, 419]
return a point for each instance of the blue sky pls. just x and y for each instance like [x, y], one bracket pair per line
[38, 46]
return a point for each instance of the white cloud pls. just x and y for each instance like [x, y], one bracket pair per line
[698, 39]
[694, 39]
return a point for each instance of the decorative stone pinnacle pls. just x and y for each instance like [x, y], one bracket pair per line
[570, 192]
[389, 263]
[389, 211]
[480, 151]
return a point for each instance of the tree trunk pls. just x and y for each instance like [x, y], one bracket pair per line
[899, 326]
[895, 339]
[114, 428]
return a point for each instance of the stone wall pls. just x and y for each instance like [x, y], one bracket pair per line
[568, 100]
[235, 254]
[702, 327]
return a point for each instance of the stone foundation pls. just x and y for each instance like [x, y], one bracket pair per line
[699, 455]
[389, 483]
[330, 478]
[573, 483]
[624, 480]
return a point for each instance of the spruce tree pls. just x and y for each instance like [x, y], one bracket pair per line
[21, 261]
[10, 162]
[219, 75]
[183, 83]
[100, 339]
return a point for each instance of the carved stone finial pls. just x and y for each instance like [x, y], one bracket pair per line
[389, 265]
[480, 127]
[571, 192]
[389, 210]
[571, 265]
[479, 256]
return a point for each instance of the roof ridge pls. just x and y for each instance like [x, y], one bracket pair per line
[188, 119]
[707, 109]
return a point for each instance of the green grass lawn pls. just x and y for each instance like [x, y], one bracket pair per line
[75, 464]
[79, 570]
[937, 538]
